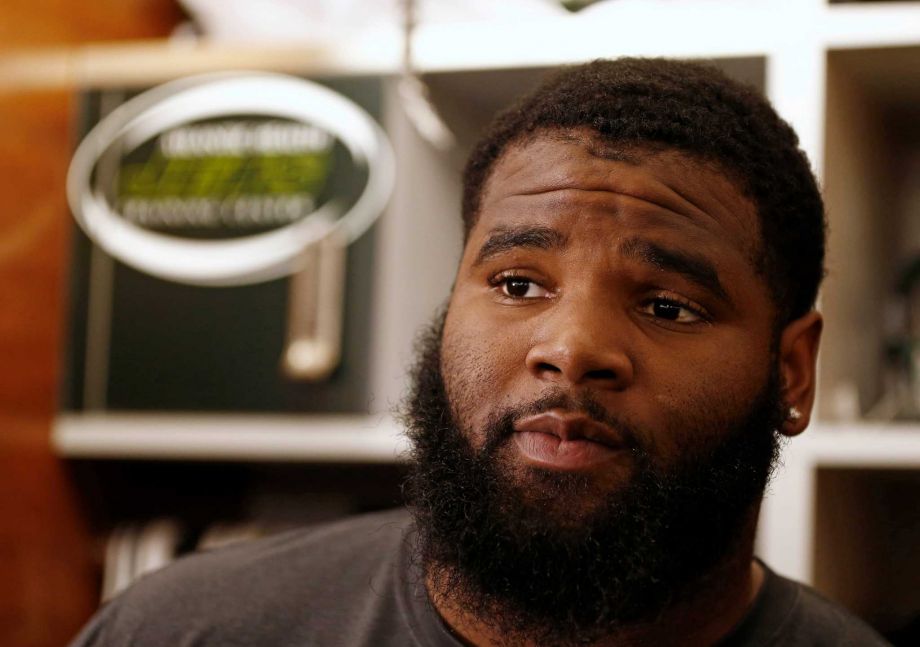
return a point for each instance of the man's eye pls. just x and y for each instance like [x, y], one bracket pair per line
[518, 287]
[671, 310]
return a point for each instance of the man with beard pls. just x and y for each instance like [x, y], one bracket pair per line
[595, 415]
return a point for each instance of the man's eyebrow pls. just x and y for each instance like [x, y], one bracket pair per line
[691, 266]
[502, 239]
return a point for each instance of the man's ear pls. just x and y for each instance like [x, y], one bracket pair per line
[798, 354]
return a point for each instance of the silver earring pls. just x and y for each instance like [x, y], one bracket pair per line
[793, 413]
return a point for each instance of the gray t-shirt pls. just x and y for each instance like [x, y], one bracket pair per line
[355, 583]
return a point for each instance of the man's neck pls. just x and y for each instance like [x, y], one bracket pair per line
[716, 607]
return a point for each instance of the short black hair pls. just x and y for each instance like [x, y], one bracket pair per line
[696, 109]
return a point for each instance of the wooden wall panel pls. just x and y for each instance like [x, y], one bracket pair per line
[35, 135]
[50, 585]
[52, 23]
[49, 556]
[50, 582]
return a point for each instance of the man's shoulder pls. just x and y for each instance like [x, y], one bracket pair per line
[311, 551]
[793, 614]
[830, 623]
[260, 585]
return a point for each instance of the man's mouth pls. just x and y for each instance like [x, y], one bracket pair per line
[567, 441]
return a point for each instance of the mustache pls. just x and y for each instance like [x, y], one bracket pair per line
[500, 425]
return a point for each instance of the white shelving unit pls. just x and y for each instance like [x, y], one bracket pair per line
[842, 73]
[231, 437]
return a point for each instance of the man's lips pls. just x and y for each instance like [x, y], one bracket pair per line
[566, 440]
[571, 425]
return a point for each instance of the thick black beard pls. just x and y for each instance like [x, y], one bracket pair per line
[504, 557]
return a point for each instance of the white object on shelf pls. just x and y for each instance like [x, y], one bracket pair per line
[156, 545]
[273, 21]
[135, 549]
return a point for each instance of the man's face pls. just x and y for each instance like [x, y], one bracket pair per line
[630, 282]
[594, 419]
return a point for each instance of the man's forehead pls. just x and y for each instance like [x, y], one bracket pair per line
[555, 163]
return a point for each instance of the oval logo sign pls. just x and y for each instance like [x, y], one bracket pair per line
[225, 179]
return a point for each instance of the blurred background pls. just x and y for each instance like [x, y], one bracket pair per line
[145, 413]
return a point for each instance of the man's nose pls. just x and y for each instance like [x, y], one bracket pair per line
[582, 346]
